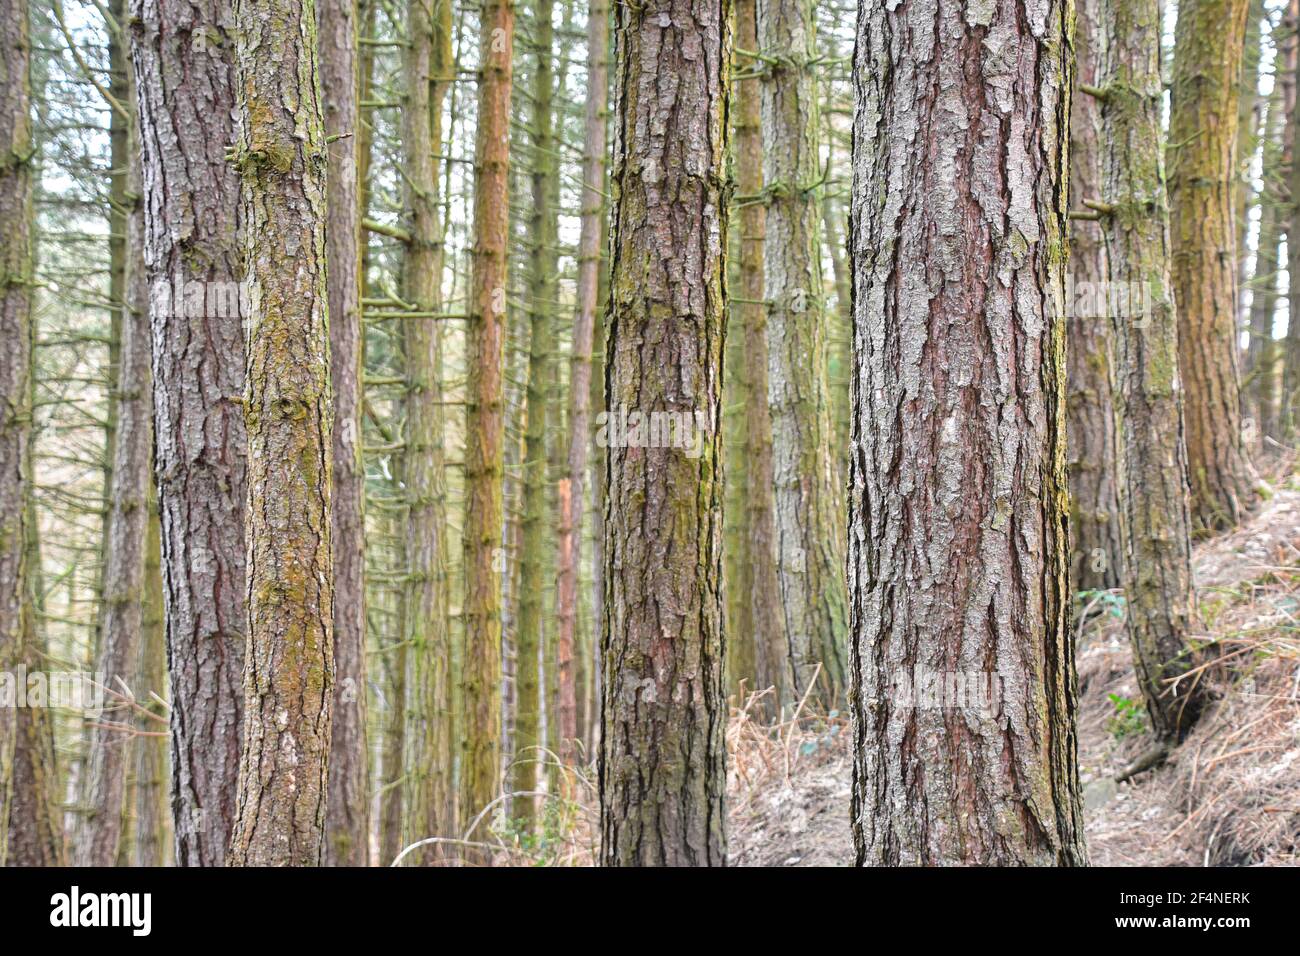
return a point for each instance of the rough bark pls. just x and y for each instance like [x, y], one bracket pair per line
[963, 684]
[185, 84]
[1093, 439]
[430, 798]
[484, 424]
[1202, 166]
[123, 602]
[1158, 583]
[809, 538]
[347, 817]
[281, 154]
[662, 760]
[573, 486]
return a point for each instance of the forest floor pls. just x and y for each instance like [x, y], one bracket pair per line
[1229, 795]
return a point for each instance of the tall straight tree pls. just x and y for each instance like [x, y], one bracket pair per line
[348, 813]
[430, 796]
[535, 530]
[1158, 578]
[572, 485]
[1208, 45]
[662, 760]
[1090, 379]
[484, 421]
[28, 827]
[123, 606]
[807, 522]
[759, 619]
[281, 154]
[957, 523]
[185, 83]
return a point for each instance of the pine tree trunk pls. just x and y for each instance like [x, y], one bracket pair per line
[347, 817]
[1250, 133]
[1157, 584]
[1290, 346]
[29, 834]
[963, 692]
[1202, 166]
[663, 760]
[128, 520]
[430, 794]
[484, 425]
[1261, 380]
[185, 83]
[1093, 442]
[809, 552]
[573, 486]
[289, 675]
[534, 537]
[759, 621]
[151, 846]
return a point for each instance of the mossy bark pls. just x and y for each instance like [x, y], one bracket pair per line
[151, 845]
[281, 153]
[958, 545]
[1202, 154]
[534, 537]
[430, 794]
[757, 620]
[1157, 582]
[663, 760]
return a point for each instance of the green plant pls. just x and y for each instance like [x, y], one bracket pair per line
[1130, 717]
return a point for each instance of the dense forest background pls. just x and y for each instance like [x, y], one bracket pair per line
[379, 484]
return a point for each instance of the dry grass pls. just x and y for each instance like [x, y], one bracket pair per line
[1230, 794]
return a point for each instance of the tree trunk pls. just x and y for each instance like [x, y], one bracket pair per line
[1093, 440]
[347, 817]
[963, 688]
[484, 426]
[430, 799]
[534, 537]
[1251, 132]
[1261, 382]
[1158, 583]
[573, 485]
[128, 520]
[1202, 166]
[151, 844]
[760, 620]
[28, 831]
[1290, 346]
[281, 154]
[185, 83]
[663, 761]
[809, 552]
